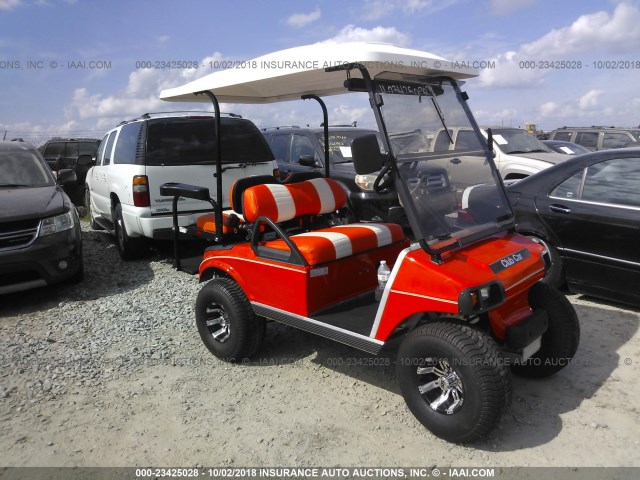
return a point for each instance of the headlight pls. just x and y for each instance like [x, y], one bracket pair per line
[480, 299]
[56, 224]
[365, 182]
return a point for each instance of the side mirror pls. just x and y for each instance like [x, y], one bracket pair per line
[307, 161]
[66, 175]
[366, 154]
[85, 161]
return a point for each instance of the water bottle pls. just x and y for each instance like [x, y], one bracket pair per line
[383, 278]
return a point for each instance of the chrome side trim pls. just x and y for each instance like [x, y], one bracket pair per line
[594, 255]
[602, 204]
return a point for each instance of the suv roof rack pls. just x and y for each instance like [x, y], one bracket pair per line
[592, 126]
[264, 129]
[148, 115]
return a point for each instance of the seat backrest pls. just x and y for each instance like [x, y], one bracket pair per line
[239, 186]
[280, 202]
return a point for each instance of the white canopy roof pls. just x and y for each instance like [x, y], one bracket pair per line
[289, 74]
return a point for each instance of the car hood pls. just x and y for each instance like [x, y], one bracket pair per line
[550, 157]
[26, 203]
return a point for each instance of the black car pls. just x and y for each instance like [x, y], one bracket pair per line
[586, 212]
[299, 149]
[61, 153]
[40, 237]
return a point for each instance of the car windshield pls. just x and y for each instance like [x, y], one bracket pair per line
[453, 188]
[514, 141]
[340, 143]
[22, 168]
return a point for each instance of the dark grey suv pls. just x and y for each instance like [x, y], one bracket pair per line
[299, 149]
[40, 237]
[598, 138]
[62, 153]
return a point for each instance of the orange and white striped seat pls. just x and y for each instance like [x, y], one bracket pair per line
[281, 203]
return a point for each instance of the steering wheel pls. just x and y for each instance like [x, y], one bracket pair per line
[384, 181]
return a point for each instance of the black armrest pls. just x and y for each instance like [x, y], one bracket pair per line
[173, 189]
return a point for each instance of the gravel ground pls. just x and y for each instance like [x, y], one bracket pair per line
[112, 372]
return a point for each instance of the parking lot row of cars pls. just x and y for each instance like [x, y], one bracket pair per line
[583, 211]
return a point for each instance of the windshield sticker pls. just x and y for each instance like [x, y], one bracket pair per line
[567, 150]
[346, 152]
[403, 89]
[499, 139]
[510, 260]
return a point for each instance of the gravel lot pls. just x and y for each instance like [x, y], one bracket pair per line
[112, 372]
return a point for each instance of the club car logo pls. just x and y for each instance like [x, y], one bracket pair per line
[510, 260]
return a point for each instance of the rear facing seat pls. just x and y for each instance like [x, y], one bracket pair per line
[281, 203]
[207, 222]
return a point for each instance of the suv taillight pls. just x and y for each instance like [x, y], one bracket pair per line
[141, 191]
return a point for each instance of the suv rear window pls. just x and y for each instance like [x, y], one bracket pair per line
[189, 141]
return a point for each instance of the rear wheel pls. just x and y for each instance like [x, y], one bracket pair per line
[129, 248]
[560, 342]
[453, 381]
[226, 322]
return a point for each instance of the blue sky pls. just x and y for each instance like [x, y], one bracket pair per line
[49, 97]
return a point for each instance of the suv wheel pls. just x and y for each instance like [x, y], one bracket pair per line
[129, 248]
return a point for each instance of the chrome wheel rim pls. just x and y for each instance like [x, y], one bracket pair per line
[217, 322]
[441, 386]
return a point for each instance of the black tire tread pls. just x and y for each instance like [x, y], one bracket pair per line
[248, 329]
[134, 247]
[492, 373]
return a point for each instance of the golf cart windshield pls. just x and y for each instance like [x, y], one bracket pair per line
[450, 190]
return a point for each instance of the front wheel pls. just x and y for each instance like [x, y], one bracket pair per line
[226, 322]
[87, 207]
[453, 381]
[560, 342]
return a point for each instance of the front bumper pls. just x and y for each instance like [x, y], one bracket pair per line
[49, 259]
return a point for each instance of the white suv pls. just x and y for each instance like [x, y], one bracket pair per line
[136, 157]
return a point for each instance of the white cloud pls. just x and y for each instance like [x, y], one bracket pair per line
[9, 4]
[548, 109]
[351, 33]
[590, 99]
[377, 9]
[509, 72]
[141, 94]
[593, 33]
[503, 7]
[600, 32]
[299, 20]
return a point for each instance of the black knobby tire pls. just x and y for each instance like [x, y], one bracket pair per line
[129, 248]
[226, 322]
[87, 206]
[560, 341]
[554, 275]
[481, 379]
